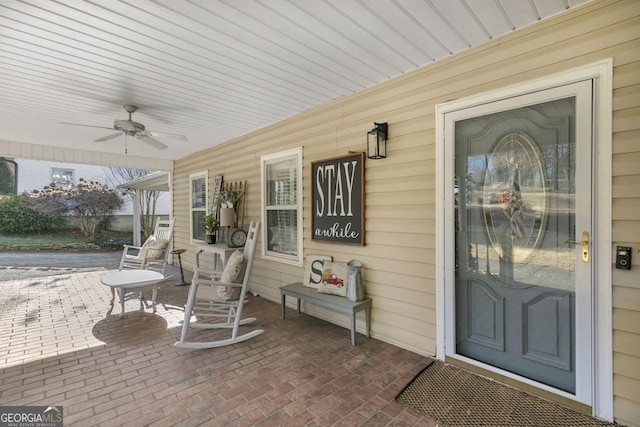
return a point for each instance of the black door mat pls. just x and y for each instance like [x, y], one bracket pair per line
[454, 397]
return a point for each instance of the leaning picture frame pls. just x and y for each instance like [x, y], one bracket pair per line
[215, 191]
[313, 270]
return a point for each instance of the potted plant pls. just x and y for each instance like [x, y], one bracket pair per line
[227, 198]
[211, 227]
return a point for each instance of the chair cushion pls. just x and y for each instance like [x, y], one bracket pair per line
[231, 274]
[155, 247]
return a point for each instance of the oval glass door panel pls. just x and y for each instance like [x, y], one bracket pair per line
[514, 197]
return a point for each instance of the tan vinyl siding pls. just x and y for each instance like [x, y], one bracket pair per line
[399, 256]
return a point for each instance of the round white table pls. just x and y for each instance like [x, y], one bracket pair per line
[127, 280]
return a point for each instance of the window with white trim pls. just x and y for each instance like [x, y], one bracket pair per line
[62, 177]
[198, 205]
[282, 206]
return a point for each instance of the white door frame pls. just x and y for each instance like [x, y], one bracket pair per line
[602, 73]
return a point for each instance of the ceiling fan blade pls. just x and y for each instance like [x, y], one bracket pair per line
[87, 126]
[153, 142]
[169, 135]
[108, 137]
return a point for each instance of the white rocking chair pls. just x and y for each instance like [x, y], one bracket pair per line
[205, 301]
[154, 253]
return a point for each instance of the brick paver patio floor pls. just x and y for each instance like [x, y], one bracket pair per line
[62, 344]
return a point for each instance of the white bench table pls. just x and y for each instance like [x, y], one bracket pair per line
[218, 250]
[127, 280]
[335, 302]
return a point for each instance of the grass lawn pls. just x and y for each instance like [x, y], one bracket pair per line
[68, 238]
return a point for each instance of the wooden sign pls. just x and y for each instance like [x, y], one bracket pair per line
[313, 270]
[337, 200]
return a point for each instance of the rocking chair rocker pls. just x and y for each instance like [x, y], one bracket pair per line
[221, 298]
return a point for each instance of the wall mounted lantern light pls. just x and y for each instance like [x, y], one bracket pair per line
[377, 141]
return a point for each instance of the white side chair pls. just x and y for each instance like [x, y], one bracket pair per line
[154, 253]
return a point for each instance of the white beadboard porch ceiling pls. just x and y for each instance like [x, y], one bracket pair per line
[217, 69]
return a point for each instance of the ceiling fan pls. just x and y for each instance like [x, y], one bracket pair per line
[129, 127]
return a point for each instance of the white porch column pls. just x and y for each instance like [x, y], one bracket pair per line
[137, 209]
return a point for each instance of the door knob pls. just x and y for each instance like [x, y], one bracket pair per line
[584, 244]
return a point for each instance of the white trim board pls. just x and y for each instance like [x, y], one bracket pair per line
[24, 150]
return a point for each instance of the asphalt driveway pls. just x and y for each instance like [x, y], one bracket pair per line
[22, 265]
[109, 260]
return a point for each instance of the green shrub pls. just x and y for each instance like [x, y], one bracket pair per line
[16, 217]
[112, 240]
[86, 203]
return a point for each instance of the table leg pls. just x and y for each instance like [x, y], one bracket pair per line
[122, 292]
[181, 270]
[353, 328]
[299, 300]
[284, 302]
[367, 313]
[154, 294]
